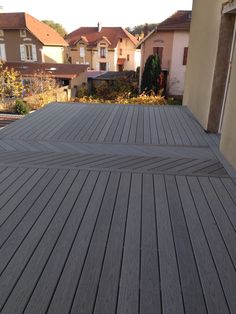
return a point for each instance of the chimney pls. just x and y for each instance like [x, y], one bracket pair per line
[99, 27]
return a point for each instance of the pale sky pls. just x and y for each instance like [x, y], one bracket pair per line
[75, 13]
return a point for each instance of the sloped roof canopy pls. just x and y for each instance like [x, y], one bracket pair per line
[179, 21]
[44, 33]
[93, 36]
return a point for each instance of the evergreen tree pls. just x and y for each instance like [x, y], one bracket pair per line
[151, 73]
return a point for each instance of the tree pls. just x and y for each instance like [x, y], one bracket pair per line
[10, 83]
[141, 29]
[56, 26]
[41, 89]
[151, 74]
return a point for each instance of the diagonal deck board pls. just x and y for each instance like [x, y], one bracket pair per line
[115, 209]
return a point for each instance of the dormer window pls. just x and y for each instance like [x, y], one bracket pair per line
[22, 33]
[1, 33]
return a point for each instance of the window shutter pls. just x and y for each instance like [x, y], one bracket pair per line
[34, 53]
[185, 57]
[2, 52]
[22, 52]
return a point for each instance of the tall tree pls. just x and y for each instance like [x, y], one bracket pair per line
[151, 74]
[56, 26]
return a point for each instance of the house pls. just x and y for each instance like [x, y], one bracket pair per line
[211, 73]
[71, 75]
[104, 49]
[170, 42]
[24, 38]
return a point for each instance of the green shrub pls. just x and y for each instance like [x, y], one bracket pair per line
[21, 107]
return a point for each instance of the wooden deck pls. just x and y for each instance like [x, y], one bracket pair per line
[115, 209]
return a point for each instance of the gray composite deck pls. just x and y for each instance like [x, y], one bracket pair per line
[115, 209]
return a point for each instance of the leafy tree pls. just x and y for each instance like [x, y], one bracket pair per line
[151, 74]
[56, 26]
[10, 82]
[142, 28]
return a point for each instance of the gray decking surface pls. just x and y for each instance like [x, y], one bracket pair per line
[115, 209]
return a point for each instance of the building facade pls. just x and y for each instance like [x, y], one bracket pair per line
[170, 41]
[24, 38]
[211, 73]
[105, 49]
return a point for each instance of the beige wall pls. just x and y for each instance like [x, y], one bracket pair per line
[92, 56]
[228, 137]
[177, 69]
[160, 39]
[12, 41]
[128, 48]
[53, 54]
[202, 55]
[79, 80]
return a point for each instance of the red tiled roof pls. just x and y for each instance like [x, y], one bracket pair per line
[180, 20]
[58, 70]
[43, 32]
[92, 35]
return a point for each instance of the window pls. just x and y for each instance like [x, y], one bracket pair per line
[185, 56]
[121, 52]
[103, 66]
[22, 33]
[28, 52]
[2, 52]
[102, 52]
[1, 32]
[82, 52]
[121, 40]
[158, 51]
[128, 57]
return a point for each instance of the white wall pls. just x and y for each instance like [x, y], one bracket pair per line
[53, 54]
[177, 69]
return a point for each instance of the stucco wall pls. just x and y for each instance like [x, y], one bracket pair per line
[92, 56]
[177, 69]
[53, 54]
[79, 80]
[128, 48]
[160, 39]
[228, 138]
[203, 46]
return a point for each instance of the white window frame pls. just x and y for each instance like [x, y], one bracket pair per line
[23, 33]
[27, 55]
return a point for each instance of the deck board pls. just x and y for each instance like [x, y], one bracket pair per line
[115, 209]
